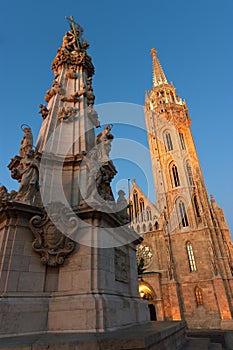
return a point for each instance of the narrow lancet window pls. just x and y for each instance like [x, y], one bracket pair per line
[191, 258]
[198, 295]
[189, 173]
[182, 141]
[141, 205]
[136, 209]
[131, 210]
[183, 215]
[176, 180]
[169, 144]
[196, 206]
[148, 214]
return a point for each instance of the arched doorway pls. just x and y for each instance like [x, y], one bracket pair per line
[147, 293]
[153, 316]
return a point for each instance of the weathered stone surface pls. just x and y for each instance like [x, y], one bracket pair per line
[153, 336]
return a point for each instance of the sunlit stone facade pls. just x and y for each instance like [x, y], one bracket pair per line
[189, 274]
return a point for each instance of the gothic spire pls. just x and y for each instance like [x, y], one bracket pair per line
[159, 77]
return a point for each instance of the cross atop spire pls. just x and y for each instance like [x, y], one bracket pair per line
[159, 77]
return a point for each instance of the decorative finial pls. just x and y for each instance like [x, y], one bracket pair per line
[212, 197]
[159, 77]
[153, 52]
[76, 30]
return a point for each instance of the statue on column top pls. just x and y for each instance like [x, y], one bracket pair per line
[27, 141]
[103, 142]
[28, 174]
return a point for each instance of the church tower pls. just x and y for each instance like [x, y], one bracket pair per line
[189, 241]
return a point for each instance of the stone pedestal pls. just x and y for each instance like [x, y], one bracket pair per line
[95, 290]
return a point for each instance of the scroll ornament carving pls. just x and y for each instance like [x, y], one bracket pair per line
[52, 245]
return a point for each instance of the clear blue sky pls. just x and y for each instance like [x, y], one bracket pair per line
[194, 43]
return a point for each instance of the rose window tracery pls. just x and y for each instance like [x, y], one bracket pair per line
[144, 252]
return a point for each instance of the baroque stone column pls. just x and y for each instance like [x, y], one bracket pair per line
[68, 260]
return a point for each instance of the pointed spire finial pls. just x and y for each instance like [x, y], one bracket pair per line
[211, 196]
[153, 52]
[159, 77]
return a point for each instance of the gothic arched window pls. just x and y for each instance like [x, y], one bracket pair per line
[168, 139]
[198, 296]
[131, 210]
[156, 225]
[191, 258]
[141, 206]
[148, 214]
[196, 206]
[189, 173]
[135, 202]
[183, 214]
[182, 140]
[176, 180]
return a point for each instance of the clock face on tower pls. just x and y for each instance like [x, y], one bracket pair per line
[144, 252]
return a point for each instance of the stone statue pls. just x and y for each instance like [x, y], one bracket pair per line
[43, 111]
[103, 142]
[69, 41]
[104, 178]
[55, 89]
[27, 142]
[89, 94]
[93, 115]
[12, 194]
[93, 176]
[122, 206]
[71, 73]
[4, 195]
[73, 40]
[67, 113]
[28, 173]
[82, 90]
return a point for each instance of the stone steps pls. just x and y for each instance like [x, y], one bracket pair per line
[223, 339]
[200, 344]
